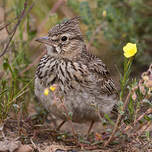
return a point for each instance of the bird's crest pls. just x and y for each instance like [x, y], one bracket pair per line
[71, 25]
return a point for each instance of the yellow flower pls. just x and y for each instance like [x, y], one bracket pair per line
[104, 13]
[52, 88]
[46, 92]
[129, 50]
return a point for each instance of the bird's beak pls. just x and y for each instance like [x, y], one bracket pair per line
[44, 40]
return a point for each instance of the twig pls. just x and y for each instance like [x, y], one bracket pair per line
[66, 111]
[35, 146]
[14, 29]
[56, 6]
[4, 25]
[118, 121]
[145, 113]
[53, 10]
[67, 12]
[23, 14]
[139, 132]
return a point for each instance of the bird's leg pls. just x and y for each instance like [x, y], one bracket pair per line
[90, 127]
[60, 125]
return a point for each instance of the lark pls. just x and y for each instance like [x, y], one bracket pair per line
[82, 80]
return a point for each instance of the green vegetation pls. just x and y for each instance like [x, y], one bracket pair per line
[108, 26]
[121, 22]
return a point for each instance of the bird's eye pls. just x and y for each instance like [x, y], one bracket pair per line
[64, 38]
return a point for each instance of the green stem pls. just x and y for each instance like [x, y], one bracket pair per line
[127, 66]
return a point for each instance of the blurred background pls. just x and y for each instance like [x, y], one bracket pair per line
[107, 26]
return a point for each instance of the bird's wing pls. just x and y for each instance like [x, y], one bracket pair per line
[99, 69]
[104, 79]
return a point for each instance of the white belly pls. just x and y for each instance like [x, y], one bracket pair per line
[81, 105]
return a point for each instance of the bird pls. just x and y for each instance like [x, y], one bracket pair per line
[83, 82]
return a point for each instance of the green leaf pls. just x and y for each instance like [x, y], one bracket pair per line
[5, 64]
[108, 118]
[86, 13]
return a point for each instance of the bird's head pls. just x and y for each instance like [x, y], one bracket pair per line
[64, 39]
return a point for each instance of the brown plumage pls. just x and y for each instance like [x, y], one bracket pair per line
[82, 79]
